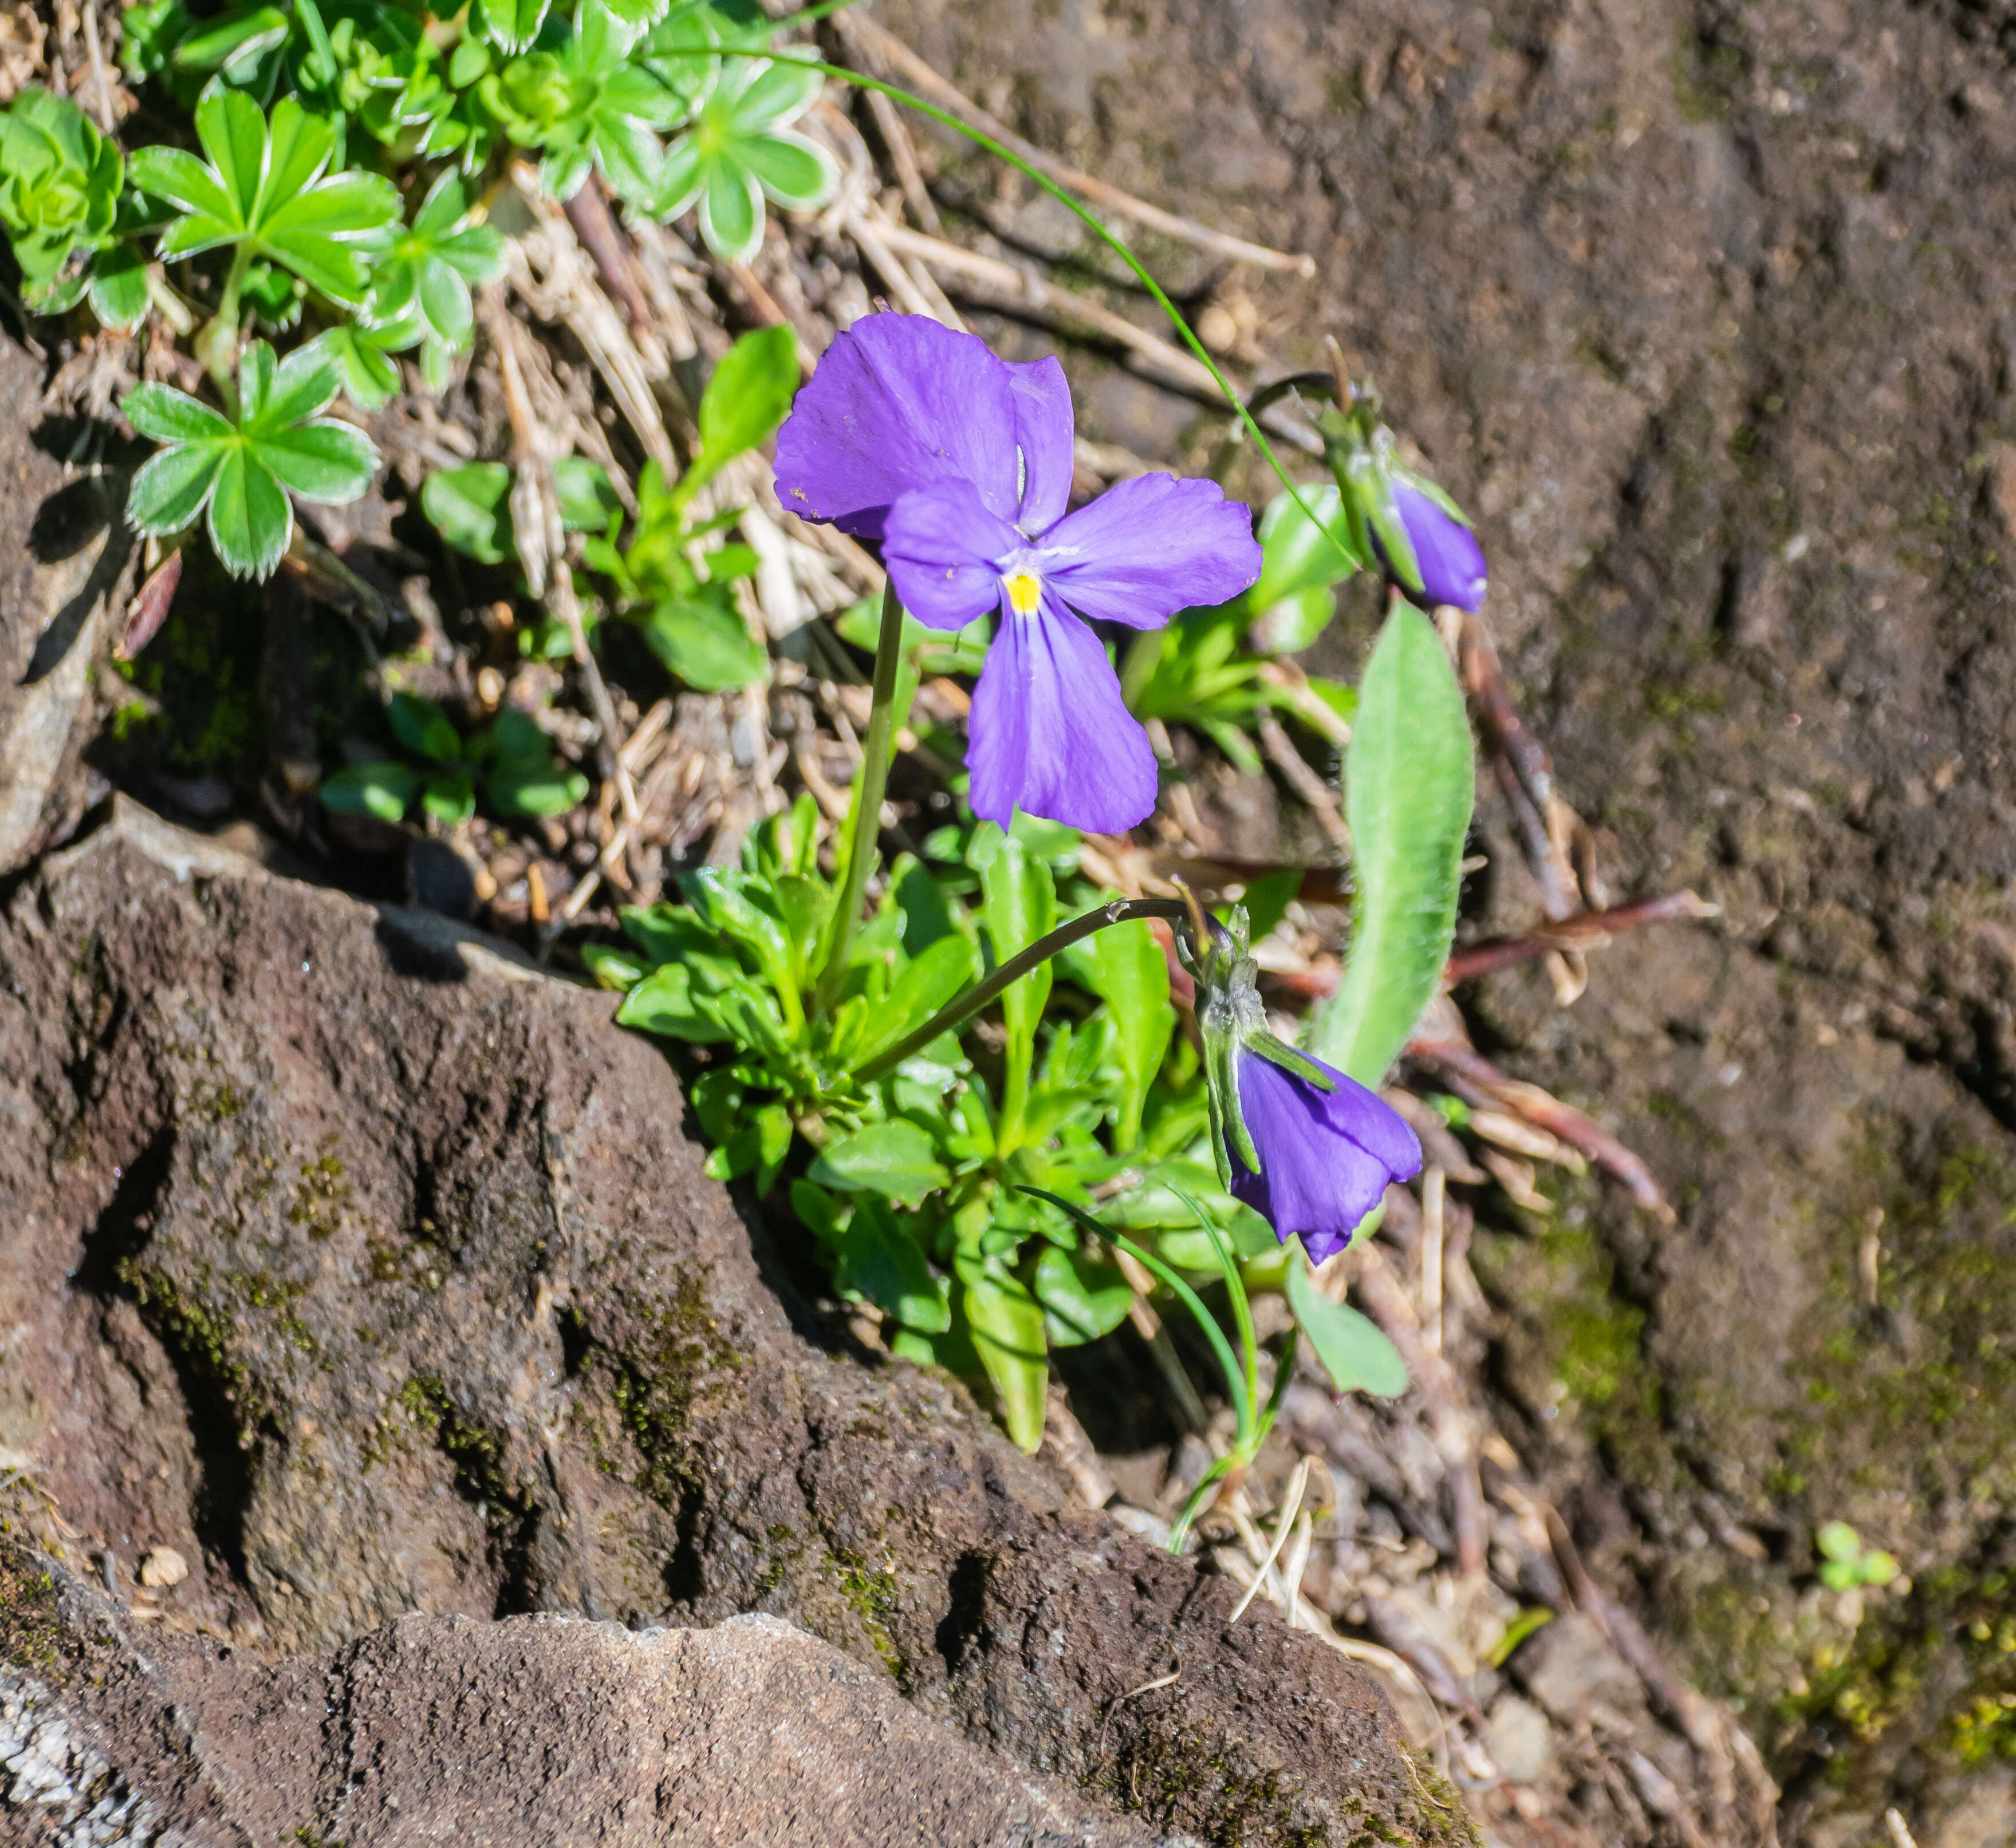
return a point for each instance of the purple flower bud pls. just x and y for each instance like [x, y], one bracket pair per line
[1450, 568]
[1326, 1157]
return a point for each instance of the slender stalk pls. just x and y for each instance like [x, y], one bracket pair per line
[957, 1012]
[864, 826]
[217, 345]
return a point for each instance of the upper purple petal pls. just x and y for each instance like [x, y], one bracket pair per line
[940, 544]
[1326, 1157]
[899, 401]
[1450, 559]
[1149, 547]
[1045, 430]
[1049, 734]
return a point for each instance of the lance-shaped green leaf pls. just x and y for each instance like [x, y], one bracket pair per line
[1409, 782]
[59, 182]
[419, 287]
[741, 149]
[239, 472]
[265, 190]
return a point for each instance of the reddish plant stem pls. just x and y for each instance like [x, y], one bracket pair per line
[1584, 930]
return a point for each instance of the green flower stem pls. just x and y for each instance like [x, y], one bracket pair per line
[957, 1012]
[864, 826]
[217, 345]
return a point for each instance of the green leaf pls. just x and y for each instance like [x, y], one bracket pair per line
[265, 185]
[664, 1002]
[511, 25]
[60, 185]
[423, 728]
[1007, 1326]
[876, 1258]
[739, 150]
[420, 285]
[241, 470]
[1083, 1297]
[1018, 904]
[893, 1159]
[450, 798]
[587, 497]
[535, 789]
[930, 981]
[1297, 556]
[748, 397]
[704, 641]
[1356, 1355]
[382, 791]
[469, 507]
[1124, 965]
[1410, 781]
[118, 287]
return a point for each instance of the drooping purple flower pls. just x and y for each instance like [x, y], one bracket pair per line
[1326, 1157]
[958, 464]
[1449, 566]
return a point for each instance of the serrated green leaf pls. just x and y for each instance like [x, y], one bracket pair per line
[1356, 1355]
[739, 149]
[1409, 779]
[894, 1159]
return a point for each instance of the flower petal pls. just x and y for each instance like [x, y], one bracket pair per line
[1446, 554]
[898, 402]
[1326, 1157]
[1050, 732]
[940, 543]
[1149, 547]
[1045, 430]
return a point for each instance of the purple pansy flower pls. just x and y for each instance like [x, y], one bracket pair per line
[1326, 1157]
[1448, 562]
[958, 464]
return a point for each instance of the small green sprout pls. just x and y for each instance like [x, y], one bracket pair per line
[1846, 1564]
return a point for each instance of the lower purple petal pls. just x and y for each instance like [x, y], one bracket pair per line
[1149, 547]
[939, 544]
[1049, 734]
[1446, 552]
[1326, 1157]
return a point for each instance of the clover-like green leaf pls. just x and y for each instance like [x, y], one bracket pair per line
[241, 470]
[741, 149]
[60, 181]
[266, 191]
[419, 287]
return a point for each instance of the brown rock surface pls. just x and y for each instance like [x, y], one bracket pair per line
[371, 1273]
[532, 1730]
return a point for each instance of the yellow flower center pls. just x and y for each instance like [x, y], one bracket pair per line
[1025, 590]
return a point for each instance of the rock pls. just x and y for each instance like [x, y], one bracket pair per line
[1567, 1665]
[371, 1270]
[64, 554]
[1519, 1739]
[163, 1567]
[529, 1731]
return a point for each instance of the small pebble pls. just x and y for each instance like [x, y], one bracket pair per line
[162, 1567]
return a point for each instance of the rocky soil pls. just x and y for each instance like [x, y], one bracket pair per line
[1702, 307]
[355, 1269]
